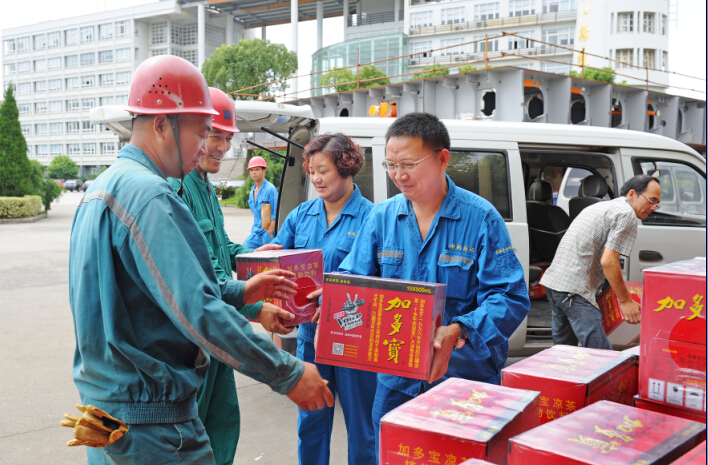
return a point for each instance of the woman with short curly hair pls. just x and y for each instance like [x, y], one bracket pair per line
[331, 222]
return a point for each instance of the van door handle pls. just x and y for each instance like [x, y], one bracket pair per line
[650, 256]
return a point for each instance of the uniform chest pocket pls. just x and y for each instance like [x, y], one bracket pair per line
[391, 262]
[345, 243]
[457, 271]
[205, 225]
[301, 240]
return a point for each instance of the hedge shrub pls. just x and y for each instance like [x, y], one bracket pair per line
[20, 207]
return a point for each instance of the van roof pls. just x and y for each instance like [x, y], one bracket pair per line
[526, 134]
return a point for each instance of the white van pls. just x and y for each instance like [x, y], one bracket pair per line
[500, 161]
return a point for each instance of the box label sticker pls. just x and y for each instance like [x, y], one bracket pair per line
[674, 394]
[656, 389]
[695, 398]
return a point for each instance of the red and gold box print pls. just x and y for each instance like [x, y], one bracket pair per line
[570, 378]
[607, 433]
[380, 325]
[612, 316]
[308, 268]
[696, 456]
[456, 421]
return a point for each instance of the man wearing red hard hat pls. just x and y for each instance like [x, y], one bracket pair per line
[262, 200]
[148, 309]
[217, 398]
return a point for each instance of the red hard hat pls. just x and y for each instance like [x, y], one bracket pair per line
[226, 120]
[256, 162]
[167, 84]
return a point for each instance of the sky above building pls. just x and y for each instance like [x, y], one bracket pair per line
[687, 42]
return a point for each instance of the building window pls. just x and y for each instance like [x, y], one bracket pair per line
[55, 106]
[72, 61]
[663, 25]
[451, 50]
[86, 126]
[486, 11]
[422, 48]
[453, 15]
[54, 39]
[122, 100]
[24, 108]
[90, 149]
[107, 79]
[23, 67]
[42, 150]
[557, 68]
[649, 58]
[625, 57]
[86, 34]
[55, 149]
[665, 61]
[522, 7]
[517, 42]
[122, 29]
[40, 107]
[29, 150]
[24, 88]
[54, 85]
[648, 24]
[215, 36]
[158, 32]
[87, 81]
[26, 129]
[107, 101]
[158, 51]
[123, 78]
[105, 31]
[553, 6]
[625, 22]
[422, 19]
[40, 86]
[71, 37]
[74, 149]
[87, 103]
[478, 46]
[10, 69]
[9, 46]
[108, 147]
[55, 128]
[72, 83]
[88, 59]
[23, 44]
[189, 55]
[184, 34]
[559, 36]
[72, 105]
[105, 56]
[40, 42]
[54, 63]
[41, 129]
[122, 54]
[72, 127]
[40, 65]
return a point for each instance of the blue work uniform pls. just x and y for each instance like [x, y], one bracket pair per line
[266, 194]
[148, 311]
[467, 248]
[306, 228]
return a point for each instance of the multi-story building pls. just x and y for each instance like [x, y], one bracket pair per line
[62, 69]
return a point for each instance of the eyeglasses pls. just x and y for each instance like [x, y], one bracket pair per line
[406, 165]
[654, 204]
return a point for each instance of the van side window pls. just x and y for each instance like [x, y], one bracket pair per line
[484, 173]
[365, 178]
[683, 193]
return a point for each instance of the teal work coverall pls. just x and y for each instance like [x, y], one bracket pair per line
[149, 312]
[217, 398]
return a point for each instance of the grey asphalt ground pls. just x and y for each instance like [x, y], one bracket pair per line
[37, 346]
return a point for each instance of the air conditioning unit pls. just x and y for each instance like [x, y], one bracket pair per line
[413, 62]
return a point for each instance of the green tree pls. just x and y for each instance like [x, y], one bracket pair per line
[428, 73]
[47, 189]
[607, 75]
[62, 167]
[273, 173]
[371, 72]
[466, 68]
[15, 169]
[249, 63]
[336, 76]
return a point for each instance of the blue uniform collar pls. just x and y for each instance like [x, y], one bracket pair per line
[450, 207]
[351, 208]
[136, 154]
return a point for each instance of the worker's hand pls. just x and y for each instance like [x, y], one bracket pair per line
[315, 295]
[443, 345]
[631, 311]
[95, 428]
[271, 284]
[311, 392]
[270, 315]
[317, 336]
[268, 247]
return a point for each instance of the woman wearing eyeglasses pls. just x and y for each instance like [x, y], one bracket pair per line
[331, 223]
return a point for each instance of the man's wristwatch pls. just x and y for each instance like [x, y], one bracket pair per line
[460, 337]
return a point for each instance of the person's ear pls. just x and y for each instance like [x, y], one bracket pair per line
[160, 126]
[444, 157]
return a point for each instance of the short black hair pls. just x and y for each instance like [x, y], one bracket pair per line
[639, 183]
[424, 125]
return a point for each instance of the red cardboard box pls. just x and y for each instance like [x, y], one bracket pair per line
[455, 421]
[696, 456]
[569, 378]
[308, 268]
[377, 324]
[661, 407]
[475, 462]
[607, 433]
[613, 321]
[633, 353]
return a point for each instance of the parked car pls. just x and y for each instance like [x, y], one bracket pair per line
[86, 185]
[72, 185]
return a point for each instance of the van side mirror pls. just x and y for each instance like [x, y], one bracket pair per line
[656, 174]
